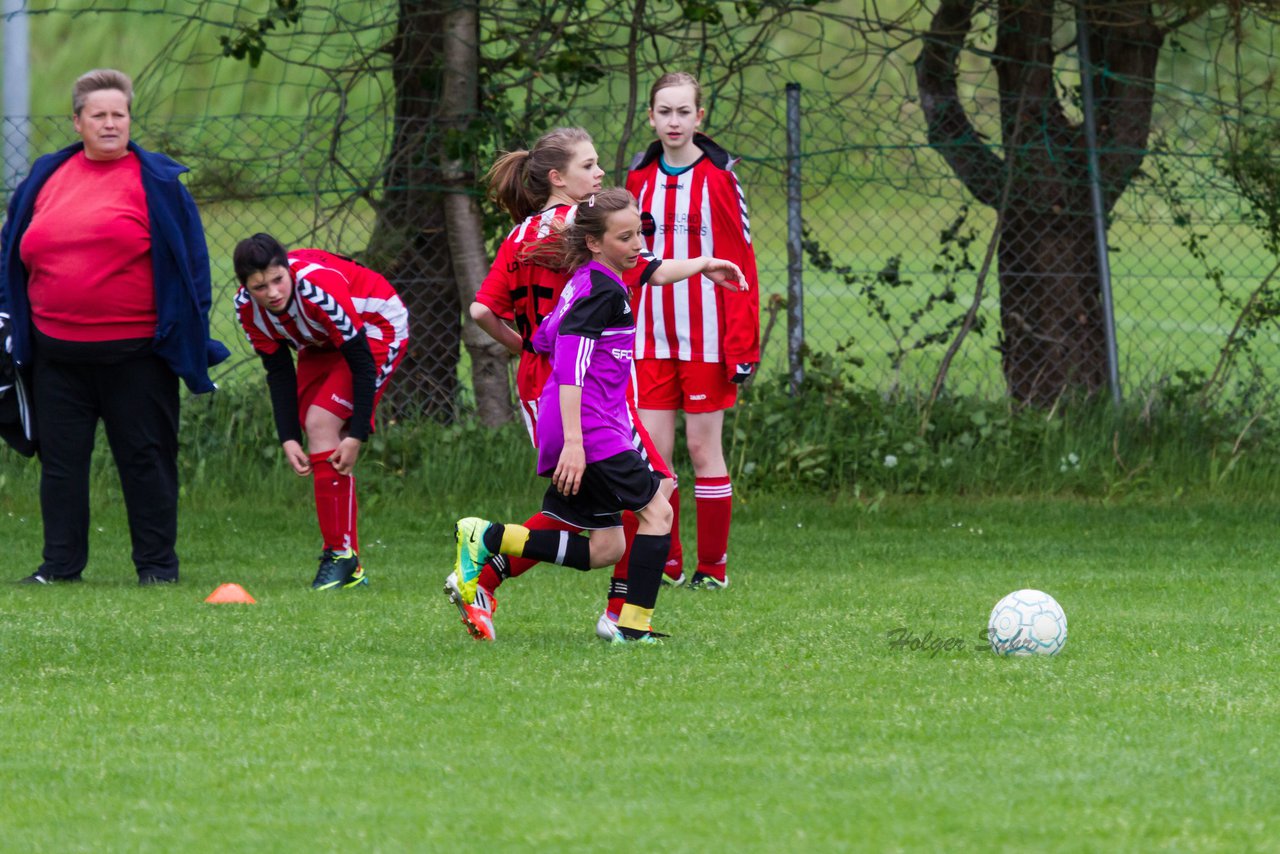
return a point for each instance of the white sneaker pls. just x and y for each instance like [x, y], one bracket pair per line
[606, 629]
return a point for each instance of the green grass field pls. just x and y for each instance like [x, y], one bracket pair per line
[778, 718]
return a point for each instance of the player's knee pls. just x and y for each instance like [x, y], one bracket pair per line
[312, 423]
[657, 517]
[706, 455]
[607, 547]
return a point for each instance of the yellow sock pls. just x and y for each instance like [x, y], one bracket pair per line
[514, 538]
[635, 617]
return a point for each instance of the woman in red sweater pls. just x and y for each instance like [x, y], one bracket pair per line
[110, 292]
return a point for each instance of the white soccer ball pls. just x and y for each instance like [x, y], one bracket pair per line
[1027, 622]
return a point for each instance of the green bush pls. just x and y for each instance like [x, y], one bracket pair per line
[834, 436]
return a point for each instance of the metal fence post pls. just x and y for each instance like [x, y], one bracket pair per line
[795, 256]
[1095, 195]
[15, 124]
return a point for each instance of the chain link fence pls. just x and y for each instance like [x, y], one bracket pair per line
[893, 263]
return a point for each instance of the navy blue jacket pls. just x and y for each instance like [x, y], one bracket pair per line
[179, 261]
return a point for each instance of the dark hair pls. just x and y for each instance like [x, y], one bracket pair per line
[518, 179]
[97, 80]
[590, 219]
[676, 78]
[257, 253]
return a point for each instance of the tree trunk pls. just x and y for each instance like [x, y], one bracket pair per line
[410, 242]
[489, 360]
[1051, 313]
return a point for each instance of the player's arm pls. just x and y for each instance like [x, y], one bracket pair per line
[364, 374]
[719, 270]
[282, 384]
[741, 343]
[575, 344]
[496, 328]
[573, 456]
[493, 304]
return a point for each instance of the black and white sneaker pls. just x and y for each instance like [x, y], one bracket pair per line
[38, 578]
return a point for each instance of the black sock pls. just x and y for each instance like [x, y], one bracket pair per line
[493, 537]
[618, 588]
[562, 547]
[644, 576]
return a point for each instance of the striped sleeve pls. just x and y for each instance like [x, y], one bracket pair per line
[584, 323]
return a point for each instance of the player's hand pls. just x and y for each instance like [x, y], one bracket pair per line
[345, 455]
[298, 459]
[567, 477]
[726, 274]
[738, 372]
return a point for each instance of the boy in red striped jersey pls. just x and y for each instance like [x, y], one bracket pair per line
[694, 342]
[350, 330]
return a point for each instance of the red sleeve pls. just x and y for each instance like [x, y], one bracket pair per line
[732, 242]
[258, 340]
[326, 300]
[495, 290]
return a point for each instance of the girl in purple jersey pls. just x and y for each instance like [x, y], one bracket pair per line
[584, 441]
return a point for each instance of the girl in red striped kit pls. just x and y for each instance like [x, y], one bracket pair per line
[694, 342]
[350, 330]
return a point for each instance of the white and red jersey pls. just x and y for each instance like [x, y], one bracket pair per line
[524, 292]
[333, 299]
[685, 213]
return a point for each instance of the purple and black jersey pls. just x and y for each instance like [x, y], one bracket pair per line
[590, 337]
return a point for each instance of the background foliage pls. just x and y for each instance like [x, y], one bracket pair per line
[285, 112]
[292, 138]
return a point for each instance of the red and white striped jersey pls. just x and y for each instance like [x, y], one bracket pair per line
[333, 299]
[699, 210]
[525, 292]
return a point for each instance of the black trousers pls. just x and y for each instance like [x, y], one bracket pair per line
[137, 400]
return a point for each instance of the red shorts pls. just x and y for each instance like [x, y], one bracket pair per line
[690, 386]
[324, 380]
[642, 443]
[531, 376]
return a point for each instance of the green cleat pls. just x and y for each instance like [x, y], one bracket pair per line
[339, 571]
[702, 581]
[471, 556]
[647, 638]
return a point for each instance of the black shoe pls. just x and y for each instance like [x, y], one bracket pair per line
[144, 580]
[38, 578]
[339, 571]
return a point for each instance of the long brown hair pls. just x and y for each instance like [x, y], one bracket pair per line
[591, 219]
[518, 179]
[676, 78]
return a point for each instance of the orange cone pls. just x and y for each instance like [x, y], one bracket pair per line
[230, 593]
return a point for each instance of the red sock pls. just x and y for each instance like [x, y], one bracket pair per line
[618, 583]
[335, 504]
[675, 558]
[714, 497]
[490, 579]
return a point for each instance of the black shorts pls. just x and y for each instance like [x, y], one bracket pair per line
[621, 482]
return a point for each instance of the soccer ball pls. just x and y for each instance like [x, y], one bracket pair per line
[1027, 622]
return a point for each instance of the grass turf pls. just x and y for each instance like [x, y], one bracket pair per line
[779, 717]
